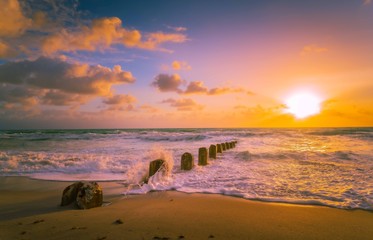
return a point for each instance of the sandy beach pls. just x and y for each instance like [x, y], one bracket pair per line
[29, 209]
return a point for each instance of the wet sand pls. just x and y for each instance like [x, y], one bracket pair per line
[29, 209]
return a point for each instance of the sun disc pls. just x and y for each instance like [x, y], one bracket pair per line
[303, 104]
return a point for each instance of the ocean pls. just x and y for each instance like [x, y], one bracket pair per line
[317, 166]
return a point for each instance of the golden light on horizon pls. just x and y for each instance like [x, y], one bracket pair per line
[303, 104]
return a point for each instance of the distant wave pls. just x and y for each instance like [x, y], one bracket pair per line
[173, 138]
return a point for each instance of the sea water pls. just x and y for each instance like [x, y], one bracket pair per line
[326, 166]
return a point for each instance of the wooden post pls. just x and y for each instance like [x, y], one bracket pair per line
[218, 148]
[187, 161]
[155, 165]
[223, 146]
[212, 151]
[202, 156]
[227, 146]
[234, 144]
[230, 144]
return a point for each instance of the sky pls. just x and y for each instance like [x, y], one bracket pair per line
[185, 64]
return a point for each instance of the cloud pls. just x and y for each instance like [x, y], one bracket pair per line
[178, 29]
[313, 48]
[18, 96]
[167, 83]
[49, 81]
[52, 73]
[13, 22]
[367, 2]
[225, 90]
[37, 28]
[120, 99]
[61, 98]
[104, 33]
[196, 87]
[120, 102]
[149, 108]
[5, 50]
[183, 104]
[172, 83]
[180, 65]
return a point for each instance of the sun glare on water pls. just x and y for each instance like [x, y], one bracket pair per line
[303, 104]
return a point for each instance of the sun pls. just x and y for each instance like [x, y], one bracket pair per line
[303, 104]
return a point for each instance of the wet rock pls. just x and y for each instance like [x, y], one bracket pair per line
[89, 196]
[70, 192]
[119, 221]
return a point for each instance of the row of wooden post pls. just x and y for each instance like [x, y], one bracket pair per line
[187, 160]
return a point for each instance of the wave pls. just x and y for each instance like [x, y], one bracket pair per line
[173, 138]
[363, 132]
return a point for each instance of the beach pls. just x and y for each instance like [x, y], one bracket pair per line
[29, 209]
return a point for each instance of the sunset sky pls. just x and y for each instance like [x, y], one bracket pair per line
[146, 64]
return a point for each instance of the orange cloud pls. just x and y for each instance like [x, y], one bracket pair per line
[313, 48]
[120, 102]
[13, 22]
[172, 83]
[149, 108]
[179, 65]
[102, 34]
[5, 50]
[196, 87]
[120, 99]
[184, 104]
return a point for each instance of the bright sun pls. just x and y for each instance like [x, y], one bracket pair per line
[303, 104]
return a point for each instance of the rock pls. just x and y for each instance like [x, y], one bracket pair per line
[119, 221]
[212, 151]
[89, 196]
[187, 161]
[70, 192]
[202, 156]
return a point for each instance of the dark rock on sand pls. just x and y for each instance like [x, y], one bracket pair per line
[70, 193]
[89, 196]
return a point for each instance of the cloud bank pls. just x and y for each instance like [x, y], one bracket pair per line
[173, 83]
[52, 81]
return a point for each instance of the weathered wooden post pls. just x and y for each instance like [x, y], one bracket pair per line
[227, 145]
[223, 146]
[230, 144]
[187, 161]
[202, 156]
[155, 165]
[218, 148]
[234, 143]
[212, 151]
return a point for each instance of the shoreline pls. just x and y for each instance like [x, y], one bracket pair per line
[29, 209]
